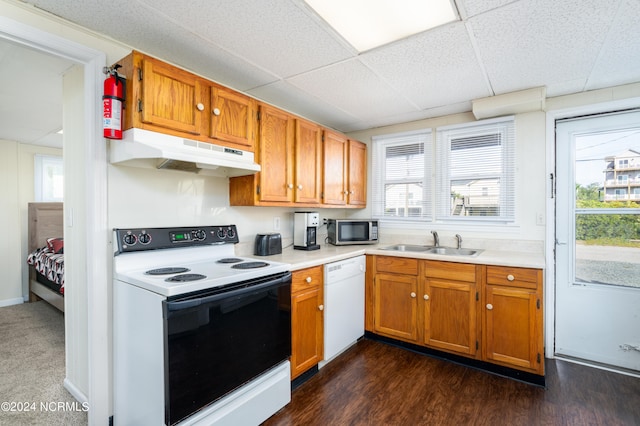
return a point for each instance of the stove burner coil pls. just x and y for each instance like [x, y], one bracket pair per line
[185, 278]
[229, 260]
[167, 271]
[250, 265]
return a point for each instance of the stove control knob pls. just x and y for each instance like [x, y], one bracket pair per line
[231, 233]
[221, 233]
[144, 238]
[129, 239]
[199, 234]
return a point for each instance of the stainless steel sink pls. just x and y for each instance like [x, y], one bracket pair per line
[408, 247]
[447, 251]
[450, 251]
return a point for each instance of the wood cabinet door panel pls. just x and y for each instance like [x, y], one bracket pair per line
[308, 167]
[450, 315]
[397, 265]
[170, 97]
[357, 181]
[335, 168]
[450, 270]
[305, 279]
[512, 333]
[276, 155]
[232, 117]
[395, 306]
[306, 330]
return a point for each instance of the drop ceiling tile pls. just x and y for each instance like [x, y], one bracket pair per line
[279, 36]
[355, 89]
[540, 42]
[619, 59]
[290, 98]
[144, 28]
[434, 68]
[470, 8]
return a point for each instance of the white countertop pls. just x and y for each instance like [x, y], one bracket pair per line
[301, 259]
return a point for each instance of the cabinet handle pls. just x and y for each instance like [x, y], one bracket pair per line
[489, 306]
[216, 111]
[413, 294]
[290, 186]
[321, 308]
[308, 279]
[346, 192]
[511, 277]
[426, 297]
[200, 106]
[300, 187]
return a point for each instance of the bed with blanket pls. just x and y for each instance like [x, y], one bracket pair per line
[46, 253]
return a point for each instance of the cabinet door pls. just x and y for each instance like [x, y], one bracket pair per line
[276, 155]
[450, 315]
[232, 117]
[171, 98]
[513, 334]
[308, 162]
[335, 168]
[306, 330]
[357, 181]
[395, 306]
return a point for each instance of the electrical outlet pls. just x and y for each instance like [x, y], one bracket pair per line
[276, 223]
[540, 219]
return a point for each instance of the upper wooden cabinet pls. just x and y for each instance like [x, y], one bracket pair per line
[167, 99]
[357, 174]
[345, 171]
[303, 165]
[335, 169]
[232, 117]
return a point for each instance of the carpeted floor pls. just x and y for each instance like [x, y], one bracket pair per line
[32, 368]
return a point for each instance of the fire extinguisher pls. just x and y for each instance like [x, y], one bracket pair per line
[113, 103]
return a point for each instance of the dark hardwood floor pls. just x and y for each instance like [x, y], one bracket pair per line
[374, 383]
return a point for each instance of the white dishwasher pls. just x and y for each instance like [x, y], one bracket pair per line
[343, 305]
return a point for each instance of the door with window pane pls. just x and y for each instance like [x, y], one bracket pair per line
[598, 239]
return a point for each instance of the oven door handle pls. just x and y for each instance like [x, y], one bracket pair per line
[178, 305]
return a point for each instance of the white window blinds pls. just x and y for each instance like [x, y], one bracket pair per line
[401, 176]
[475, 179]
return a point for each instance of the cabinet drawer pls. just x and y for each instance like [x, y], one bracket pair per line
[513, 277]
[450, 270]
[305, 279]
[397, 265]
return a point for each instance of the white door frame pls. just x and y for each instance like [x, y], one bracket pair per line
[95, 196]
[550, 276]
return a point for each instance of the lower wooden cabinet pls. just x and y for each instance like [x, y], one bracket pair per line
[489, 313]
[450, 300]
[513, 318]
[307, 319]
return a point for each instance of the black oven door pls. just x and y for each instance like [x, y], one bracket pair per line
[219, 339]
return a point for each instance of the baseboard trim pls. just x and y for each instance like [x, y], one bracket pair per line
[511, 373]
[74, 391]
[11, 302]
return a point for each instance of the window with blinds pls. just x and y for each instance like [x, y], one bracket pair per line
[401, 177]
[476, 175]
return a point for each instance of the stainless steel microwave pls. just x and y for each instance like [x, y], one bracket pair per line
[342, 232]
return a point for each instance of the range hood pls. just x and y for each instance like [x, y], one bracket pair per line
[147, 149]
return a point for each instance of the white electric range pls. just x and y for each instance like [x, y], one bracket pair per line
[201, 336]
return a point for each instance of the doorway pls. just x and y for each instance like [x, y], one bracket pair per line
[597, 239]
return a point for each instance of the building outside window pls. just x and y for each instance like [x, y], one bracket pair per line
[49, 178]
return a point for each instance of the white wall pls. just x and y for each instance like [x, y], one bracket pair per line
[17, 190]
[530, 186]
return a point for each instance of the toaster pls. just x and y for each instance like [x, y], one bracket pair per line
[268, 244]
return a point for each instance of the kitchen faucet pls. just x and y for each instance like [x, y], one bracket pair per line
[436, 239]
[459, 241]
